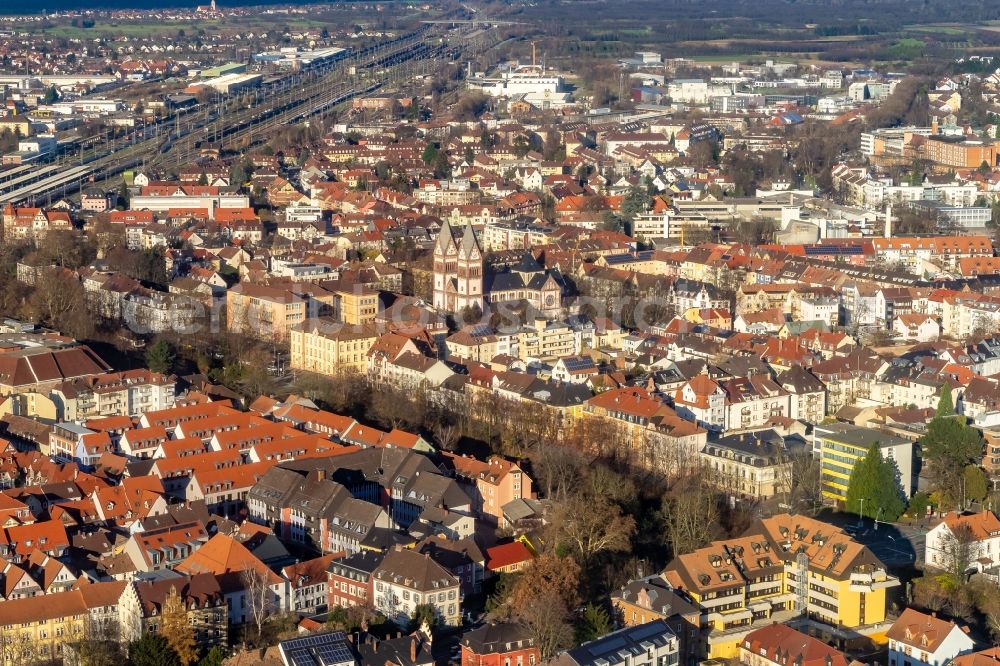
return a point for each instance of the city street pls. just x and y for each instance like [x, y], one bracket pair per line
[896, 544]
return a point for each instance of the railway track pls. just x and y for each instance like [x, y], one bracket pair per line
[242, 120]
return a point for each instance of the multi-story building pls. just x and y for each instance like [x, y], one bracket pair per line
[34, 364]
[753, 401]
[841, 445]
[703, 401]
[33, 223]
[264, 312]
[650, 644]
[34, 629]
[547, 341]
[329, 348]
[316, 512]
[640, 425]
[806, 394]
[479, 343]
[270, 312]
[164, 547]
[349, 579]
[492, 484]
[457, 192]
[652, 598]
[755, 465]
[355, 305]
[945, 251]
[127, 393]
[919, 639]
[140, 608]
[781, 568]
[309, 584]
[960, 152]
[781, 645]
[500, 644]
[515, 235]
[406, 579]
[964, 541]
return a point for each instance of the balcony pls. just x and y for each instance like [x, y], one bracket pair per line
[869, 582]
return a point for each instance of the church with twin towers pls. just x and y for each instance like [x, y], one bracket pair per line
[464, 281]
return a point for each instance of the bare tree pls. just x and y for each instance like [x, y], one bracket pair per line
[446, 434]
[591, 524]
[259, 597]
[691, 513]
[17, 648]
[799, 481]
[957, 546]
[558, 468]
[548, 621]
[100, 643]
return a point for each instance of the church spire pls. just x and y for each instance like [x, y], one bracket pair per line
[469, 242]
[445, 237]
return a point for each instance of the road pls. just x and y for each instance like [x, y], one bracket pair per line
[897, 545]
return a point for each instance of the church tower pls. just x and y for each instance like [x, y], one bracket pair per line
[458, 270]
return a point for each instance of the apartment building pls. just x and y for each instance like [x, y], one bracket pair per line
[127, 393]
[781, 645]
[349, 579]
[754, 465]
[515, 235]
[406, 579]
[971, 540]
[650, 644]
[841, 445]
[651, 598]
[34, 629]
[491, 484]
[316, 512]
[919, 639]
[753, 401]
[946, 251]
[782, 567]
[355, 305]
[270, 312]
[546, 341]
[141, 607]
[328, 347]
[959, 152]
[500, 644]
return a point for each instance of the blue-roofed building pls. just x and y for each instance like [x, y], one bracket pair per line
[650, 644]
[326, 649]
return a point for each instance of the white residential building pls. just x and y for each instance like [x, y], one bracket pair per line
[917, 639]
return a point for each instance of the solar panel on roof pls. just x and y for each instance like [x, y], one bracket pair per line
[317, 650]
[606, 647]
[645, 631]
[577, 363]
[301, 657]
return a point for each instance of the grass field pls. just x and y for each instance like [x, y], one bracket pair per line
[938, 29]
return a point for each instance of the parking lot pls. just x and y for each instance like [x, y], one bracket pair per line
[896, 544]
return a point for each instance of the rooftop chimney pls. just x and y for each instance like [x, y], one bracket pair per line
[413, 649]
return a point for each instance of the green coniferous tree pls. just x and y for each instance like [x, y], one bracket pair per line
[873, 490]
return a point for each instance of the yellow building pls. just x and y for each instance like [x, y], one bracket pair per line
[546, 341]
[843, 444]
[329, 348]
[355, 306]
[784, 567]
[34, 629]
[264, 312]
